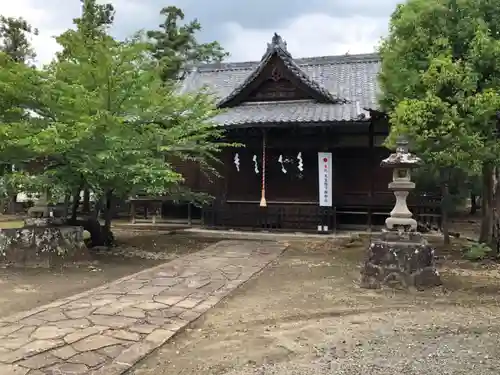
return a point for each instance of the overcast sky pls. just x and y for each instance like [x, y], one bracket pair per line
[310, 27]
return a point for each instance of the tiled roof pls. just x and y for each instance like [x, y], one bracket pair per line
[278, 47]
[349, 77]
[288, 111]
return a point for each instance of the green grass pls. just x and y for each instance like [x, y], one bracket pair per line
[11, 224]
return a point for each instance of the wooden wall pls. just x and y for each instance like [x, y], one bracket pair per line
[198, 180]
[356, 169]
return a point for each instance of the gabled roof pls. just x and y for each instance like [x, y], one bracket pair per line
[349, 80]
[278, 49]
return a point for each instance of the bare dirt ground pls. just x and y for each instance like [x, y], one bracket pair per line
[467, 225]
[306, 315]
[22, 289]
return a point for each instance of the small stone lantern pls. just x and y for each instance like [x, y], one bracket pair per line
[400, 257]
[45, 214]
[402, 163]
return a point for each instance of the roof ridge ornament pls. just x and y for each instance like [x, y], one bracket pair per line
[277, 42]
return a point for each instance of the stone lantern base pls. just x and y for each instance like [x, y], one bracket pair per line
[400, 260]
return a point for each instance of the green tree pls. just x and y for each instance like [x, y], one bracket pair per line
[440, 84]
[14, 33]
[175, 46]
[109, 122]
[91, 27]
[19, 86]
[16, 49]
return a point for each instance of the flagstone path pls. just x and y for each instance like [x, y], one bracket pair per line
[105, 331]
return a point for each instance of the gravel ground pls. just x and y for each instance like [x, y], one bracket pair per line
[307, 315]
[420, 342]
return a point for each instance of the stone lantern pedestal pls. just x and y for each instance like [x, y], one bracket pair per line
[400, 257]
[44, 241]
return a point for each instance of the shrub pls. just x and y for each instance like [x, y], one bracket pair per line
[477, 251]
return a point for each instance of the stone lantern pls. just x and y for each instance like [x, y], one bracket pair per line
[402, 163]
[400, 256]
[45, 214]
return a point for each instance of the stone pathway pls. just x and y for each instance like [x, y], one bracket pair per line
[105, 331]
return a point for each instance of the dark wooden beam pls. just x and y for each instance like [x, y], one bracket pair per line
[371, 156]
[333, 125]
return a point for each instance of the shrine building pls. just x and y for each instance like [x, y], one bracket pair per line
[313, 142]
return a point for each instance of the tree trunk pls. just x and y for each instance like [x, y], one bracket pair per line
[95, 213]
[10, 208]
[74, 205]
[86, 200]
[94, 228]
[108, 211]
[445, 225]
[99, 235]
[445, 206]
[473, 203]
[486, 232]
[5, 205]
[108, 217]
[67, 199]
[495, 238]
[91, 224]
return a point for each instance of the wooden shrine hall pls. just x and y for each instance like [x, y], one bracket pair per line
[313, 143]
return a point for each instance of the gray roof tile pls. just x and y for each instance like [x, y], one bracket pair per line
[290, 112]
[353, 77]
[350, 77]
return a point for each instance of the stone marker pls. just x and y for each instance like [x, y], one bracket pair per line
[400, 257]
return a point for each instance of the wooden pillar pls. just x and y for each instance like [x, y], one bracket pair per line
[155, 212]
[228, 162]
[190, 219]
[332, 212]
[371, 155]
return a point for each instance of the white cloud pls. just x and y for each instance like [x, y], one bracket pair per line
[46, 46]
[50, 24]
[24, 8]
[311, 34]
[44, 43]
[308, 35]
